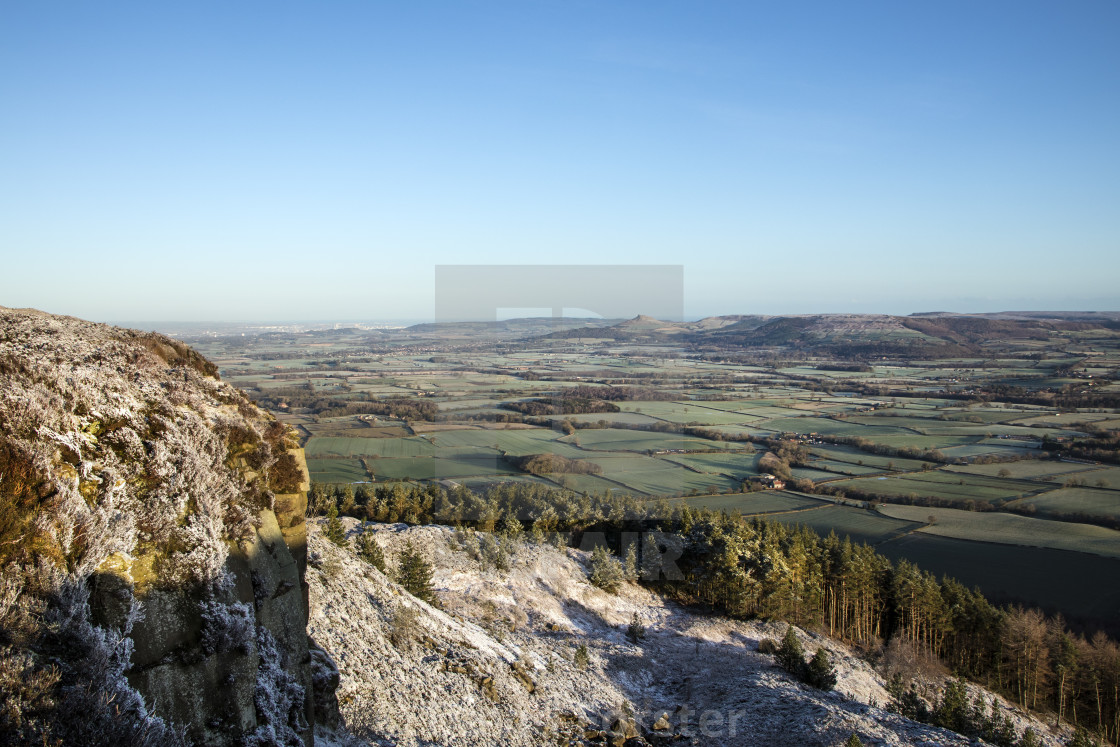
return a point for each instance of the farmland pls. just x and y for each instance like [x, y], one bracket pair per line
[1010, 529]
[874, 426]
[1089, 502]
[940, 484]
[754, 504]
[859, 525]
[1055, 580]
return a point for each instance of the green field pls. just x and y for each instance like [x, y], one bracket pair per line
[845, 468]
[861, 525]
[766, 502]
[808, 473]
[733, 464]
[989, 447]
[941, 484]
[439, 467]
[516, 442]
[681, 412]
[1050, 579]
[1023, 470]
[1088, 501]
[588, 484]
[903, 419]
[943, 443]
[652, 476]
[674, 483]
[620, 418]
[1059, 420]
[1010, 529]
[1110, 476]
[859, 458]
[617, 439]
[337, 470]
[460, 403]
[986, 416]
[412, 446]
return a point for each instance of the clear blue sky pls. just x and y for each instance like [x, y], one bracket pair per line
[284, 160]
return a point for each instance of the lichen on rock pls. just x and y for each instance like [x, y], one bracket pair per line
[156, 591]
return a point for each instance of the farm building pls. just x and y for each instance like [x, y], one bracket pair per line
[768, 481]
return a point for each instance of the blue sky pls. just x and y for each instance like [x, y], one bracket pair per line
[283, 160]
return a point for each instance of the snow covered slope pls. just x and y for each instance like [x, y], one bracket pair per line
[497, 666]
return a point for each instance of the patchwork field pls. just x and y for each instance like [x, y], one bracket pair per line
[750, 504]
[1009, 529]
[1087, 501]
[860, 525]
[614, 439]
[1023, 470]
[732, 464]
[943, 485]
[895, 425]
[337, 470]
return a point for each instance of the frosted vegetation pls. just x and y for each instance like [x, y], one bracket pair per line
[115, 445]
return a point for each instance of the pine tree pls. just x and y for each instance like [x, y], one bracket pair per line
[582, 657]
[952, 711]
[820, 673]
[854, 741]
[511, 527]
[790, 656]
[995, 727]
[316, 498]
[630, 566]
[334, 531]
[415, 574]
[651, 558]
[906, 701]
[349, 505]
[636, 631]
[370, 551]
[606, 572]
[1082, 738]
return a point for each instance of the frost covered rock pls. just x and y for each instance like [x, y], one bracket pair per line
[152, 545]
[325, 679]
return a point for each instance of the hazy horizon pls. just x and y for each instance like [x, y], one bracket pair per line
[184, 326]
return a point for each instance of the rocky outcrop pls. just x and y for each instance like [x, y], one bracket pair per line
[153, 548]
[187, 654]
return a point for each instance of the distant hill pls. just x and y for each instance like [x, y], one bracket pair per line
[936, 334]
